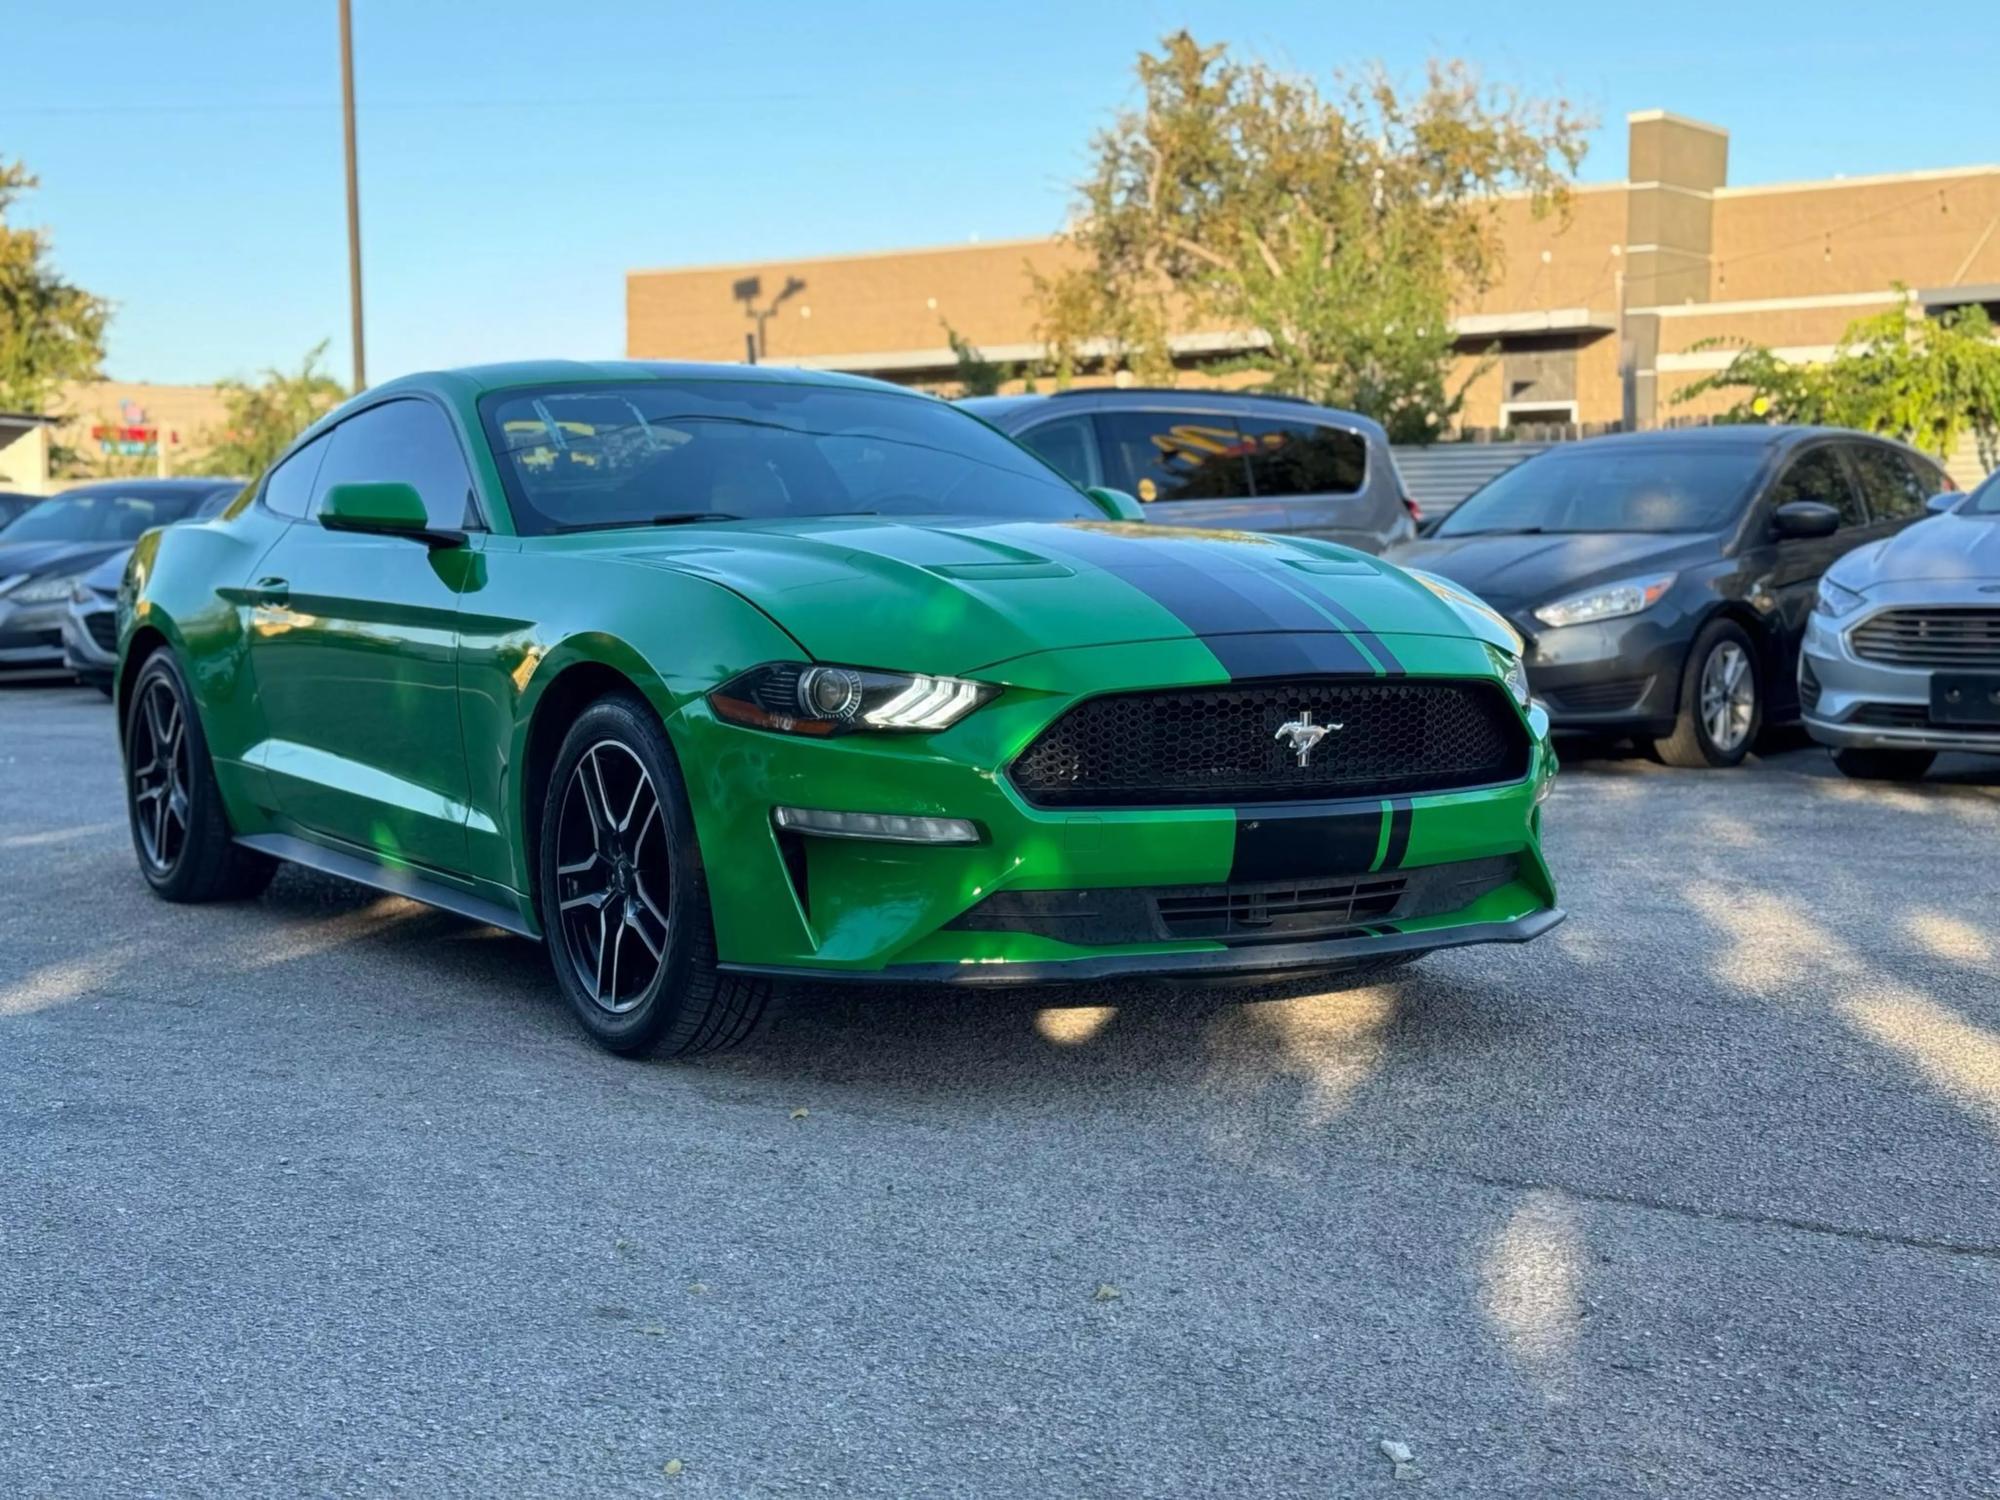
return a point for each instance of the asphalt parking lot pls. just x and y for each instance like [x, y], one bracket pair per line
[326, 1194]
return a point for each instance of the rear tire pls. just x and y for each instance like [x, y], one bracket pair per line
[624, 901]
[180, 829]
[1722, 701]
[1883, 765]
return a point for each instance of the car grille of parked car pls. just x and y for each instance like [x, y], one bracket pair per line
[103, 627]
[1221, 746]
[23, 640]
[1242, 913]
[1967, 637]
[1911, 716]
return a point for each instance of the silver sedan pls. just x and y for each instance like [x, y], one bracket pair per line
[1901, 658]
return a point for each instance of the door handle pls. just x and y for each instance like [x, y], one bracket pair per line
[271, 591]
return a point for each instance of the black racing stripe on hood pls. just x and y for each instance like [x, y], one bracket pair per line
[1280, 654]
[1236, 601]
[1306, 842]
[1400, 815]
[1376, 646]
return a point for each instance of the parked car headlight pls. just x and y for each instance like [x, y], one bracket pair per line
[45, 590]
[10, 580]
[796, 698]
[1836, 600]
[1609, 601]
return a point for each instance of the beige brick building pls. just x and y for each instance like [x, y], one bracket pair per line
[115, 427]
[1598, 318]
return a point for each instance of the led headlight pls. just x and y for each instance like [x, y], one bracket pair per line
[1836, 600]
[1516, 673]
[794, 698]
[1608, 601]
[45, 590]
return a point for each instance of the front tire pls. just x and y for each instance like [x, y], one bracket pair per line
[1722, 701]
[1882, 765]
[624, 901]
[180, 829]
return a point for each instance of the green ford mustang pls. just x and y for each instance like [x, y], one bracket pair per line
[713, 677]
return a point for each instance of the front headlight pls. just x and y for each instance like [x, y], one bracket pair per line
[1608, 601]
[796, 698]
[1515, 671]
[1836, 600]
[46, 590]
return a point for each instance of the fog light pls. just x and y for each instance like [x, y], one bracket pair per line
[885, 828]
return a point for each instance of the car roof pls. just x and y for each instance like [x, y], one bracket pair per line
[184, 485]
[1732, 436]
[496, 377]
[1001, 410]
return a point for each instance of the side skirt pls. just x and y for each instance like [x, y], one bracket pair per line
[398, 880]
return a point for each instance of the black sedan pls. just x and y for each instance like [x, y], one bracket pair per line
[55, 542]
[1663, 580]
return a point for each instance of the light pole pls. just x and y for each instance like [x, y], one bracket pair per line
[353, 194]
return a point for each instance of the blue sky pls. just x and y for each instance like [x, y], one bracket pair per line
[518, 159]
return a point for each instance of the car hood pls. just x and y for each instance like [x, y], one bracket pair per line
[956, 596]
[1515, 572]
[107, 575]
[1942, 549]
[42, 559]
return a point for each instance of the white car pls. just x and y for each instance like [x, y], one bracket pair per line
[1901, 658]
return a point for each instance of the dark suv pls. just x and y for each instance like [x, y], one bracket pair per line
[1217, 459]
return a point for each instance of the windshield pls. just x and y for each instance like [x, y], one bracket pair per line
[1985, 500]
[1624, 489]
[586, 457]
[100, 516]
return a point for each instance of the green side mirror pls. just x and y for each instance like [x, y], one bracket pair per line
[1116, 504]
[387, 508]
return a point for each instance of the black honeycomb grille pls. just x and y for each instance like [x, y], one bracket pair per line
[1220, 746]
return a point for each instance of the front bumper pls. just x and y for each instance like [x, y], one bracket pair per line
[1615, 676]
[1853, 703]
[822, 907]
[31, 639]
[86, 627]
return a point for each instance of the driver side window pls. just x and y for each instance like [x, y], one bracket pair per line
[408, 441]
[1818, 474]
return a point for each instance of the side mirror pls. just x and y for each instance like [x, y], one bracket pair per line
[1944, 504]
[383, 509]
[1116, 504]
[1805, 518]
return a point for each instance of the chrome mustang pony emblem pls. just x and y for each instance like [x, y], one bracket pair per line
[1301, 734]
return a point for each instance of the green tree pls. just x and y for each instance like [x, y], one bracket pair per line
[51, 331]
[1338, 227]
[977, 375]
[1927, 381]
[261, 418]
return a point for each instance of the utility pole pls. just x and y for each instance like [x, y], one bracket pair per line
[353, 194]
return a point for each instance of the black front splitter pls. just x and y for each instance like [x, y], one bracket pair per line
[1274, 960]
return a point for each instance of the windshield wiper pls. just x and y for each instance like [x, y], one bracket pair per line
[670, 518]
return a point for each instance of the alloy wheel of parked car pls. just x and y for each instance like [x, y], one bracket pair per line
[159, 773]
[1728, 696]
[624, 902]
[613, 876]
[1722, 706]
[179, 825]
